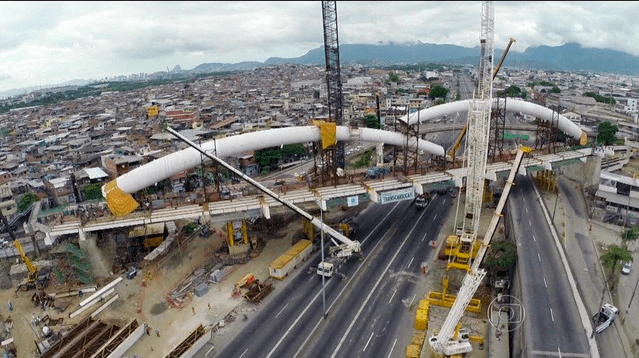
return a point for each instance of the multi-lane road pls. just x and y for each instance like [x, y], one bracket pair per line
[366, 311]
[552, 325]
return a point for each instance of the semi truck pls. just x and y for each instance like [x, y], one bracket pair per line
[604, 318]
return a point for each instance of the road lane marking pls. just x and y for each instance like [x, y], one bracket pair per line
[393, 295]
[435, 217]
[278, 313]
[539, 257]
[411, 261]
[246, 350]
[393, 347]
[367, 342]
[551, 315]
[535, 240]
[379, 280]
[338, 295]
[526, 210]
[529, 223]
[545, 284]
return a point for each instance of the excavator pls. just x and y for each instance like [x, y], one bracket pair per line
[455, 147]
[33, 280]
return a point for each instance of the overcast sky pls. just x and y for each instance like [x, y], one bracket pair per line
[45, 43]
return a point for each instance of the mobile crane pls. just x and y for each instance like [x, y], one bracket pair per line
[477, 149]
[33, 280]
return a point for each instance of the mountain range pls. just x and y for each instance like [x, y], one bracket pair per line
[570, 57]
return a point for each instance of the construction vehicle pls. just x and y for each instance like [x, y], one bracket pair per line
[604, 318]
[33, 280]
[468, 252]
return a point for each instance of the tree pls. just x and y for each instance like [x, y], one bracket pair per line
[630, 234]
[513, 91]
[438, 91]
[393, 77]
[26, 200]
[555, 90]
[93, 191]
[371, 121]
[607, 132]
[501, 256]
[614, 255]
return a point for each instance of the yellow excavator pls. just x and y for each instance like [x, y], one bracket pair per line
[33, 280]
[455, 147]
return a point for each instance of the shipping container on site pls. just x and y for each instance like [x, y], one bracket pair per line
[288, 261]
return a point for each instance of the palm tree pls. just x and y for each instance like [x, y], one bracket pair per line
[614, 255]
[610, 259]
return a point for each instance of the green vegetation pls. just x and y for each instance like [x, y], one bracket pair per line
[439, 91]
[630, 234]
[393, 77]
[600, 98]
[364, 160]
[555, 90]
[458, 96]
[371, 121]
[93, 191]
[270, 156]
[502, 256]
[612, 257]
[607, 133]
[190, 227]
[26, 200]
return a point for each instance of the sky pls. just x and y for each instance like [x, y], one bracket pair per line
[46, 43]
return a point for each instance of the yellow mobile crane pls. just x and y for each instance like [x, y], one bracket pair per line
[33, 280]
[455, 147]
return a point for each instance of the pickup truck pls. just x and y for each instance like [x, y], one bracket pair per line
[604, 318]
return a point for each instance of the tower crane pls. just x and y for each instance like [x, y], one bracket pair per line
[334, 155]
[478, 132]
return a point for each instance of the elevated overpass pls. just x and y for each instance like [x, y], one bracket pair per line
[259, 205]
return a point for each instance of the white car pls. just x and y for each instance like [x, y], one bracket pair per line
[625, 269]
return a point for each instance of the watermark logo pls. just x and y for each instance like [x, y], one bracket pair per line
[506, 313]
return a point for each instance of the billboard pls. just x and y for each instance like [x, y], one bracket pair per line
[394, 196]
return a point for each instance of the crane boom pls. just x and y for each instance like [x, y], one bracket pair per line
[441, 343]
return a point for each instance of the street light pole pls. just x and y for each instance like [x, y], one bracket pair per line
[555, 209]
[323, 277]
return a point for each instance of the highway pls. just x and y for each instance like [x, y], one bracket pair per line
[552, 326]
[365, 311]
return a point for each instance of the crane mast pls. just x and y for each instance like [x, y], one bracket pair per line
[334, 156]
[477, 153]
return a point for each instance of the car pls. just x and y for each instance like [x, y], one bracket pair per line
[625, 268]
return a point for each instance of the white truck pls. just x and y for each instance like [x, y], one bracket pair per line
[604, 318]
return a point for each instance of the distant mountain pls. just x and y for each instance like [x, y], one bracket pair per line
[567, 57]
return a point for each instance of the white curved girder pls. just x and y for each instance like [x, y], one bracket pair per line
[512, 105]
[169, 165]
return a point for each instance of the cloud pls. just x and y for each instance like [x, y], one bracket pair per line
[58, 41]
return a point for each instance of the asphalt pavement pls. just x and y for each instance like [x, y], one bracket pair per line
[583, 240]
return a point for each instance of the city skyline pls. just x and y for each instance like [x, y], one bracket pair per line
[47, 43]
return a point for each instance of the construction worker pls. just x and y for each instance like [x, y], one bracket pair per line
[193, 309]
[157, 331]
